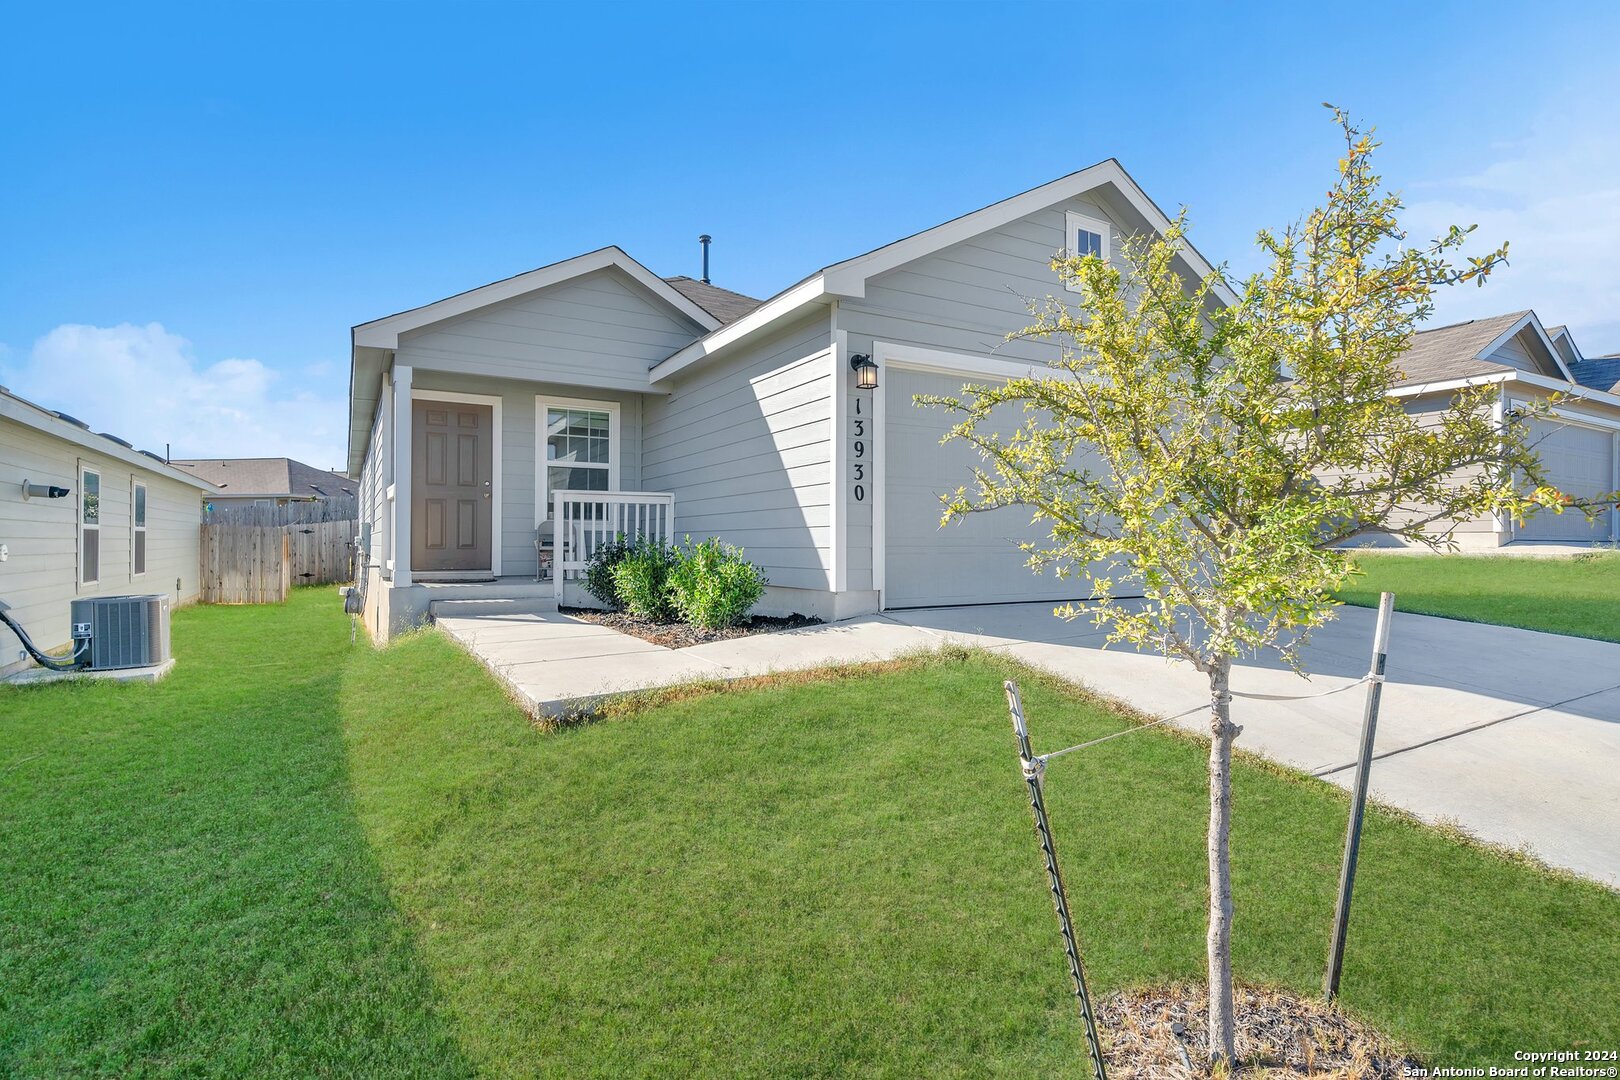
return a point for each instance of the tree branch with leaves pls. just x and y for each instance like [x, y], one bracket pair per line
[1206, 445]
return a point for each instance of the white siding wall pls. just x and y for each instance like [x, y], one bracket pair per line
[745, 443]
[41, 575]
[517, 435]
[600, 330]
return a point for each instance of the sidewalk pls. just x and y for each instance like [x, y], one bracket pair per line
[1513, 734]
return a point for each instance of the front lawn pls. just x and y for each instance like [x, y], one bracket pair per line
[295, 858]
[1575, 594]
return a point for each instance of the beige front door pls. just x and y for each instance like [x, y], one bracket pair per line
[452, 489]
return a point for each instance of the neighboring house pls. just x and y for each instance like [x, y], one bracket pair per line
[1579, 447]
[593, 375]
[127, 523]
[272, 481]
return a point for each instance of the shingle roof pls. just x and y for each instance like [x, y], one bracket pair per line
[723, 304]
[1599, 372]
[268, 476]
[1452, 352]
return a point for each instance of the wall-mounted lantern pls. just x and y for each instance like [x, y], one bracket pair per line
[43, 491]
[865, 371]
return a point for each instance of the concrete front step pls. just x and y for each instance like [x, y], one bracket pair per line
[491, 605]
[506, 588]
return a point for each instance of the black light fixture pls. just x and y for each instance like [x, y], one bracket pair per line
[865, 371]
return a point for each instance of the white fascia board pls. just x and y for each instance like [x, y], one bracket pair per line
[1572, 389]
[1531, 320]
[384, 333]
[782, 307]
[1419, 389]
[31, 415]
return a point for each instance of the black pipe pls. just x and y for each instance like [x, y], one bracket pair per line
[704, 240]
[45, 659]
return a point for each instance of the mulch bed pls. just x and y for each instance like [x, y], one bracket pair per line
[1279, 1035]
[679, 635]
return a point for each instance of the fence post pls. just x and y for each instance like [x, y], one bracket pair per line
[1358, 798]
[1034, 770]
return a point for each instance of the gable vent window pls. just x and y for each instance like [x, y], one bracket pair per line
[1085, 236]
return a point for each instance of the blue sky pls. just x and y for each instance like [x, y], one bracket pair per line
[197, 203]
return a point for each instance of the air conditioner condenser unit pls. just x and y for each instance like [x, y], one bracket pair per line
[124, 631]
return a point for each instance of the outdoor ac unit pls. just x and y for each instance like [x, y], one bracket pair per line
[124, 631]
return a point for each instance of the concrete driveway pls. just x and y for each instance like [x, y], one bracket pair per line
[1511, 734]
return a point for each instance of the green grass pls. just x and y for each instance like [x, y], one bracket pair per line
[296, 858]
[1577, 595]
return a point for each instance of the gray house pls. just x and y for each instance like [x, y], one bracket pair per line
[500, 432]
[1579, 445]
[267, 481]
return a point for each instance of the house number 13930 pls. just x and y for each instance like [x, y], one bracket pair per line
[858, 451]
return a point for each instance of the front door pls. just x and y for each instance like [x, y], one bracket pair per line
[452, 489]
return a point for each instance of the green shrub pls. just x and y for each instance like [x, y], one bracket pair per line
[641, 580]
[712, 585]
[599, 570]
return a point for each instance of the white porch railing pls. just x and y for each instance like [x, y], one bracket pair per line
[582, 521]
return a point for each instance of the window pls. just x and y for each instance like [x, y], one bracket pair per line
[1084, 236]
[89, 527]
[137, 542]
[580, 451]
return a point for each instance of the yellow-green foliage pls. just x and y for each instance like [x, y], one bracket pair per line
[1206, 443]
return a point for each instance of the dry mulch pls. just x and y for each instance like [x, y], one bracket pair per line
[1279, 1035]
[680, 635]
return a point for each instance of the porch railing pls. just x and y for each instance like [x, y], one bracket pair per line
[582, 521]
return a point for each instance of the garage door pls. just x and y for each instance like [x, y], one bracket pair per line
[1579, 461]
[972, 561]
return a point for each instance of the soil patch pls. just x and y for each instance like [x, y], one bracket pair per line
[680, 635]
[1279, 1035]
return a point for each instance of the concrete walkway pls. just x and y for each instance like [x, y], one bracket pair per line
[1512, 734]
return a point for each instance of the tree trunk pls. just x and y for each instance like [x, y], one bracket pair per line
[1222, 1029]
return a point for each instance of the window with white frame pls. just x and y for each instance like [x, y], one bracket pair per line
[580, 455]
[1084, 236]
[137, 528]
[89, 526]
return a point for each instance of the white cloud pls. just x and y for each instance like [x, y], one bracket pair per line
[142, 384]
[1551, 194]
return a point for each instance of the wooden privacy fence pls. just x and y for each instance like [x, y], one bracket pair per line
[257, 564]
[245, 564]
[322, 551]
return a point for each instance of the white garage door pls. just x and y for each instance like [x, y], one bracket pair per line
[1579, 461]
[971, 561]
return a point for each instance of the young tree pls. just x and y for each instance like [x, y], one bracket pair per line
[1207, 443]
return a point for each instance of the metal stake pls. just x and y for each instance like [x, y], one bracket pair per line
[1358, 798]
[1034, 770]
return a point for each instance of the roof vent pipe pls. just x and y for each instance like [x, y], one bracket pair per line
[704, 240]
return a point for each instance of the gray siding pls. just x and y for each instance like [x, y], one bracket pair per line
[745, 443]
[518, 476]
[41, 575]
[968, 297]
[963, 299]
[376, 473]
[600, 330]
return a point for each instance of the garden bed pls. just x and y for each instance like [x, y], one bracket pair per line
[682, 635]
